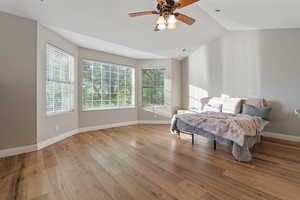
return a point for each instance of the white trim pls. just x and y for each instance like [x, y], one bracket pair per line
[109, 108]
[55, 114]
[56, 139]
[17, 150]
[106, 126]
[282, 136]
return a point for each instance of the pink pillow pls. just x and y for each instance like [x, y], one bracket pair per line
[204, 101]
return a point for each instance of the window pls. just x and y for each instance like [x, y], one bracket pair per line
[107, 86]
[153, 86]
[59, 81]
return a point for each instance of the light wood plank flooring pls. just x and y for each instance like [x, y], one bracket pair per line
[144, 162]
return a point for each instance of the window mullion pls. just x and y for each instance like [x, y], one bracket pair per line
[102, 85]
[110, 85]
[110, 88]
[125, 86]
[153, 88]
[53, 95]
[118, 89]
[92, 80]
[58, 85]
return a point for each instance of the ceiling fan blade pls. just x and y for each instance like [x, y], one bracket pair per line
[184, 3]
[185, 19]
[136, 14]
[156, 28]
[159, 1]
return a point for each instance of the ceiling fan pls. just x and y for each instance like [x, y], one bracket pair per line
[168, 17]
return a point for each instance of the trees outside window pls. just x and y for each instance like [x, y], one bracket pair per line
[153, 86]
[107, 85]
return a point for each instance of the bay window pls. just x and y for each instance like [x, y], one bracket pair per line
[107, 85]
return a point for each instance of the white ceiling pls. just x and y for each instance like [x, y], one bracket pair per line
[254, 14]
[101, 45]
[105, 25]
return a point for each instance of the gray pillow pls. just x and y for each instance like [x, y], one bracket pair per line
[263, 112]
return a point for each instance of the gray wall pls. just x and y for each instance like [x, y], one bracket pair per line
[176, 85]
[250, 64]
[23, 105]
[17, 81]
[172, 90]
[103, 117]
[52, 126]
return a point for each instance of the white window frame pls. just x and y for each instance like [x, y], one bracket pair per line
[109, 107]
[164, 89]
[71, 82]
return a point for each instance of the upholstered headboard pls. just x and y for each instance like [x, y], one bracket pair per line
[233, 105]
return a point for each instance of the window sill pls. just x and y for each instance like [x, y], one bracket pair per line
[59, 113]
[109, 108]
[155, 106]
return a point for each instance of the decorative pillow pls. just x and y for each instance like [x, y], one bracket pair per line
[210, 101]
[232, 105]
[212, 108]
[263, 112]
[204, 101]
[256, 102]
[216, 101]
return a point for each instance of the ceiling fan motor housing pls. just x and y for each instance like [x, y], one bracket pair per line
[159, 7]
[166, 9]
[171, 2]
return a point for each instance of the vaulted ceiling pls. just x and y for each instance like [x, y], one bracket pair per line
[254, 14]
[104, 25]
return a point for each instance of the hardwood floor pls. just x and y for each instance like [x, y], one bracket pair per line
[145, 162]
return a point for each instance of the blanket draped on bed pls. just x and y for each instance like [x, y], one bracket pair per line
[243, 130]
[230, 126]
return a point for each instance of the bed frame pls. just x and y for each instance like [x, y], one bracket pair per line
[193, 138]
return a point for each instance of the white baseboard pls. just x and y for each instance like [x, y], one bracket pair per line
[17, 150]
[106, 126]
[282, 136]
[56, 139]
[114, 125]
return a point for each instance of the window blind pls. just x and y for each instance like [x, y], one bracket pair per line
[59, 81]
[107, 85]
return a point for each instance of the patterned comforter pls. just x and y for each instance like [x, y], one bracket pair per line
[234, 127]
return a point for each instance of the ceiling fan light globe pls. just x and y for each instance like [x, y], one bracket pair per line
[161, 27]
[161, 20]
[172, 26]
[172, 19]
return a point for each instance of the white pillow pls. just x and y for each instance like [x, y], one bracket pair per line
[216, 101]
[212, 108]
[232, 105]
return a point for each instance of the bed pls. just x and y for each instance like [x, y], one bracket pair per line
[241, 130]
